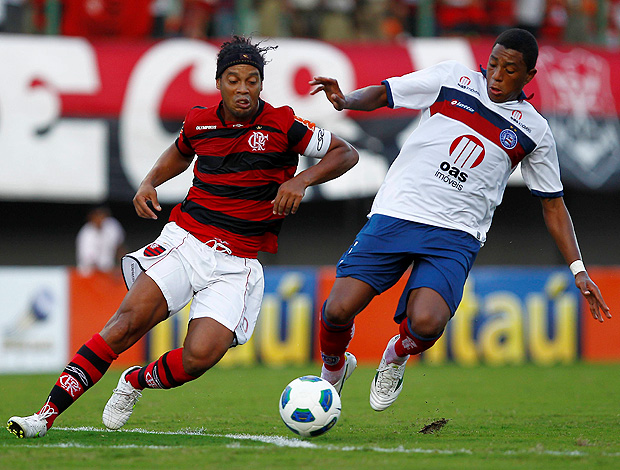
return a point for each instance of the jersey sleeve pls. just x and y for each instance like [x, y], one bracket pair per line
[183, 143]
[306, 138]
[419, 89]
[541, 169]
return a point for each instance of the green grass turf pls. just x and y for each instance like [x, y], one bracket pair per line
[524, 417]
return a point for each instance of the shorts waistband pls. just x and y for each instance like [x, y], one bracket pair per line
[219, 246]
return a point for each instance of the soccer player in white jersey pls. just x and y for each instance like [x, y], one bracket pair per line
[436, 203]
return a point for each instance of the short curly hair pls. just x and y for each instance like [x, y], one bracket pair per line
[240, 50]
[522, 41]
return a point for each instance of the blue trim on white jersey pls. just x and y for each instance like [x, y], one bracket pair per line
[389, 93]
[501, 123]
[547, 195]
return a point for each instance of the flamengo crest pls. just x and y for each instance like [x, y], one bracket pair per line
[257, 141]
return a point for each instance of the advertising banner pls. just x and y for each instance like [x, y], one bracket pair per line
[508, 315]
[34, 321]
[96, 115]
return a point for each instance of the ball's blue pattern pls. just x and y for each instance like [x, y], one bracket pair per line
[286, 396]
[302, 415]
[327, 399]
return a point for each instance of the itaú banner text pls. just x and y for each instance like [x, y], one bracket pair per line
[84, 121]
[507, 316]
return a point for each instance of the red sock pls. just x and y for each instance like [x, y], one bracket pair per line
[165, 372]
[334, 340]
[410, 343]
[85, 369]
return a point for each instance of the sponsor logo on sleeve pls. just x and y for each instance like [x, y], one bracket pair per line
[309, 124]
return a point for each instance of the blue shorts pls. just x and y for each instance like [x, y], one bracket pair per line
[386, 246]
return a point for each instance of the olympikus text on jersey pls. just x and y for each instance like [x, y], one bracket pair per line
[238, 171]
[453, 169]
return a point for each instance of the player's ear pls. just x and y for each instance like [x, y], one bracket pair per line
[217, 83]
[530, 75]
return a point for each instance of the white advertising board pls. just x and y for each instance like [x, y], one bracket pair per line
[34, 319]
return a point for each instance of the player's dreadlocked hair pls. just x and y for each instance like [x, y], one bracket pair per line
[240, 50]
[522, 41]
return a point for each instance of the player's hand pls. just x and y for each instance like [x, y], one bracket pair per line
[332, 91]
[146, 194]
[593, 295]
[289, 196]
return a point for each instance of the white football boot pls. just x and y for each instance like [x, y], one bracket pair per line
[349, 366]
[388, 382]
[28, 426]
[119, 407]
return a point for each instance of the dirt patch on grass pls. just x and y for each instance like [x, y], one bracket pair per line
[433, 427]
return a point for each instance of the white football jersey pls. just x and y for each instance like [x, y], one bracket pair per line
[452, 170]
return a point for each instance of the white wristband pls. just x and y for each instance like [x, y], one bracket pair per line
[576, 267]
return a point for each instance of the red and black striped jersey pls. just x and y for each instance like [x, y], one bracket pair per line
[237, 173]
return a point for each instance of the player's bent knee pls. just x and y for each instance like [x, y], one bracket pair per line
[338, 313]
[121, 332]
[428, 324]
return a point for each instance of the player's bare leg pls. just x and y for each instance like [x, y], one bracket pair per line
[347, 298]
[427, 316]
[205, 344]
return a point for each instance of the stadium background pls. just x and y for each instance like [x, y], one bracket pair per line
[520, 304]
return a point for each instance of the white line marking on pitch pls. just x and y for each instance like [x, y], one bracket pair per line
[281, 441]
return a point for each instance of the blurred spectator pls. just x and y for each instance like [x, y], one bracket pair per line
[100, 242]
[500, 16]
[337, 20]
[305, 18]
[198, 18]
[224, 19]
[12, 13]
[556, 18]
[461, 17]
[580, 21]
[106, 18]
[407, 13]
[371, 17]
[166, 18]
[530, 14]
[613, 30]
[273, 18]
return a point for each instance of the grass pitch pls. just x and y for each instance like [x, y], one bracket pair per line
[524, 417]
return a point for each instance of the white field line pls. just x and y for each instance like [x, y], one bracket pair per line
[280, 441]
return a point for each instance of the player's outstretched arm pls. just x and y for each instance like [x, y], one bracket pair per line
[170, 164]
[339, 159]
[561, 228]
[364, 99]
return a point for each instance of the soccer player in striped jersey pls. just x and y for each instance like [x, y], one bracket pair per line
[435, 205]
[246, 154]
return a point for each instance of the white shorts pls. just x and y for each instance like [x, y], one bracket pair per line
[224, 287]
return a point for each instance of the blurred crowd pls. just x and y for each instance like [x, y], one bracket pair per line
[330, 20]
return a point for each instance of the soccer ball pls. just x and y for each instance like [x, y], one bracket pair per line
[309, 406]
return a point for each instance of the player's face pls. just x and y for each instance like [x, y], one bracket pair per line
[240, 87]
[507, 74]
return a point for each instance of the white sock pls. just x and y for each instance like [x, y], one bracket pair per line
[391, 357]
[332, 376]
